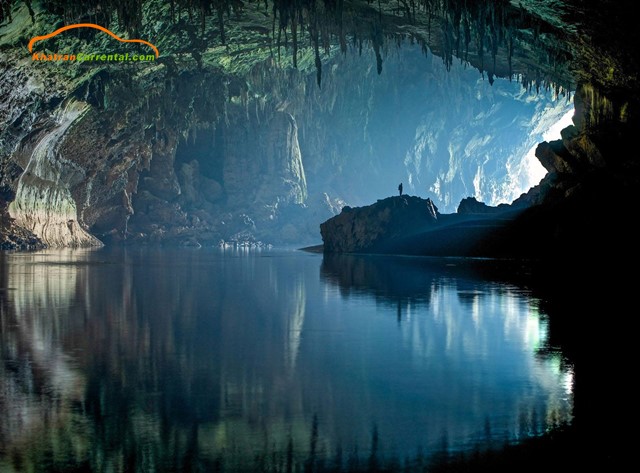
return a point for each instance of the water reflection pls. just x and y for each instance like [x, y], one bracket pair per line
[185, 360]
[475, 343]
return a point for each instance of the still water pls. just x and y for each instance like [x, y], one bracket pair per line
[210, 360]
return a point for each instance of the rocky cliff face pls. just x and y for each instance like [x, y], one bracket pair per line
[43, 203]
[102, 153]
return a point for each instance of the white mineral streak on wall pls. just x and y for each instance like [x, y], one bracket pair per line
[43, 202]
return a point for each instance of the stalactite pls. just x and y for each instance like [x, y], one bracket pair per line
[377, 40]
[294, 38]
[278, 43]
[430, 16]
[466, 29]
[5, 11]
[455, 30]
[447, 52]
[493, 25]
[316, 51]
[223, 38]
[342, 37]
[510, 54]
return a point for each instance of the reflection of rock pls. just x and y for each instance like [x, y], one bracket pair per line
[375, 226]
[199, 353]
[39, 386]
[294, 323]
[454, 322]
[386, 277]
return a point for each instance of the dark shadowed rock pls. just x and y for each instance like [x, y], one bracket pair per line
[556, 158]
[471, 205]
[15, 237]
[370, 228]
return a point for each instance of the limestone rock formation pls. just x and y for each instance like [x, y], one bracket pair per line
[43, 203]
[374, 227]
[233, 132]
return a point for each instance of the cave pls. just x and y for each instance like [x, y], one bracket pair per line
[243, 159]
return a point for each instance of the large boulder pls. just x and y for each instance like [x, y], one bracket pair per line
[371, 228]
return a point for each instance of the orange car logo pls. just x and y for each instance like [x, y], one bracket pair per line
[90, 25]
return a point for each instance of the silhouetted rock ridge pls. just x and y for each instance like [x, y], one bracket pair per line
[374, 227]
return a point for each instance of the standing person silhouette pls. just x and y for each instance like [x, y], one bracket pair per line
[400, 189]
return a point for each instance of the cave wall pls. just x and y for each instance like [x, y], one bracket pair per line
[229, 142]
[92, 153]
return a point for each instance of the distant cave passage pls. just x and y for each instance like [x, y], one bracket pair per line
[205, 147]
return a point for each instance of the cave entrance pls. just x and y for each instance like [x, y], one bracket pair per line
[445, 133]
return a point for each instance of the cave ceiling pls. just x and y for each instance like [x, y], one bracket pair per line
[541, 42]
[538, 42]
